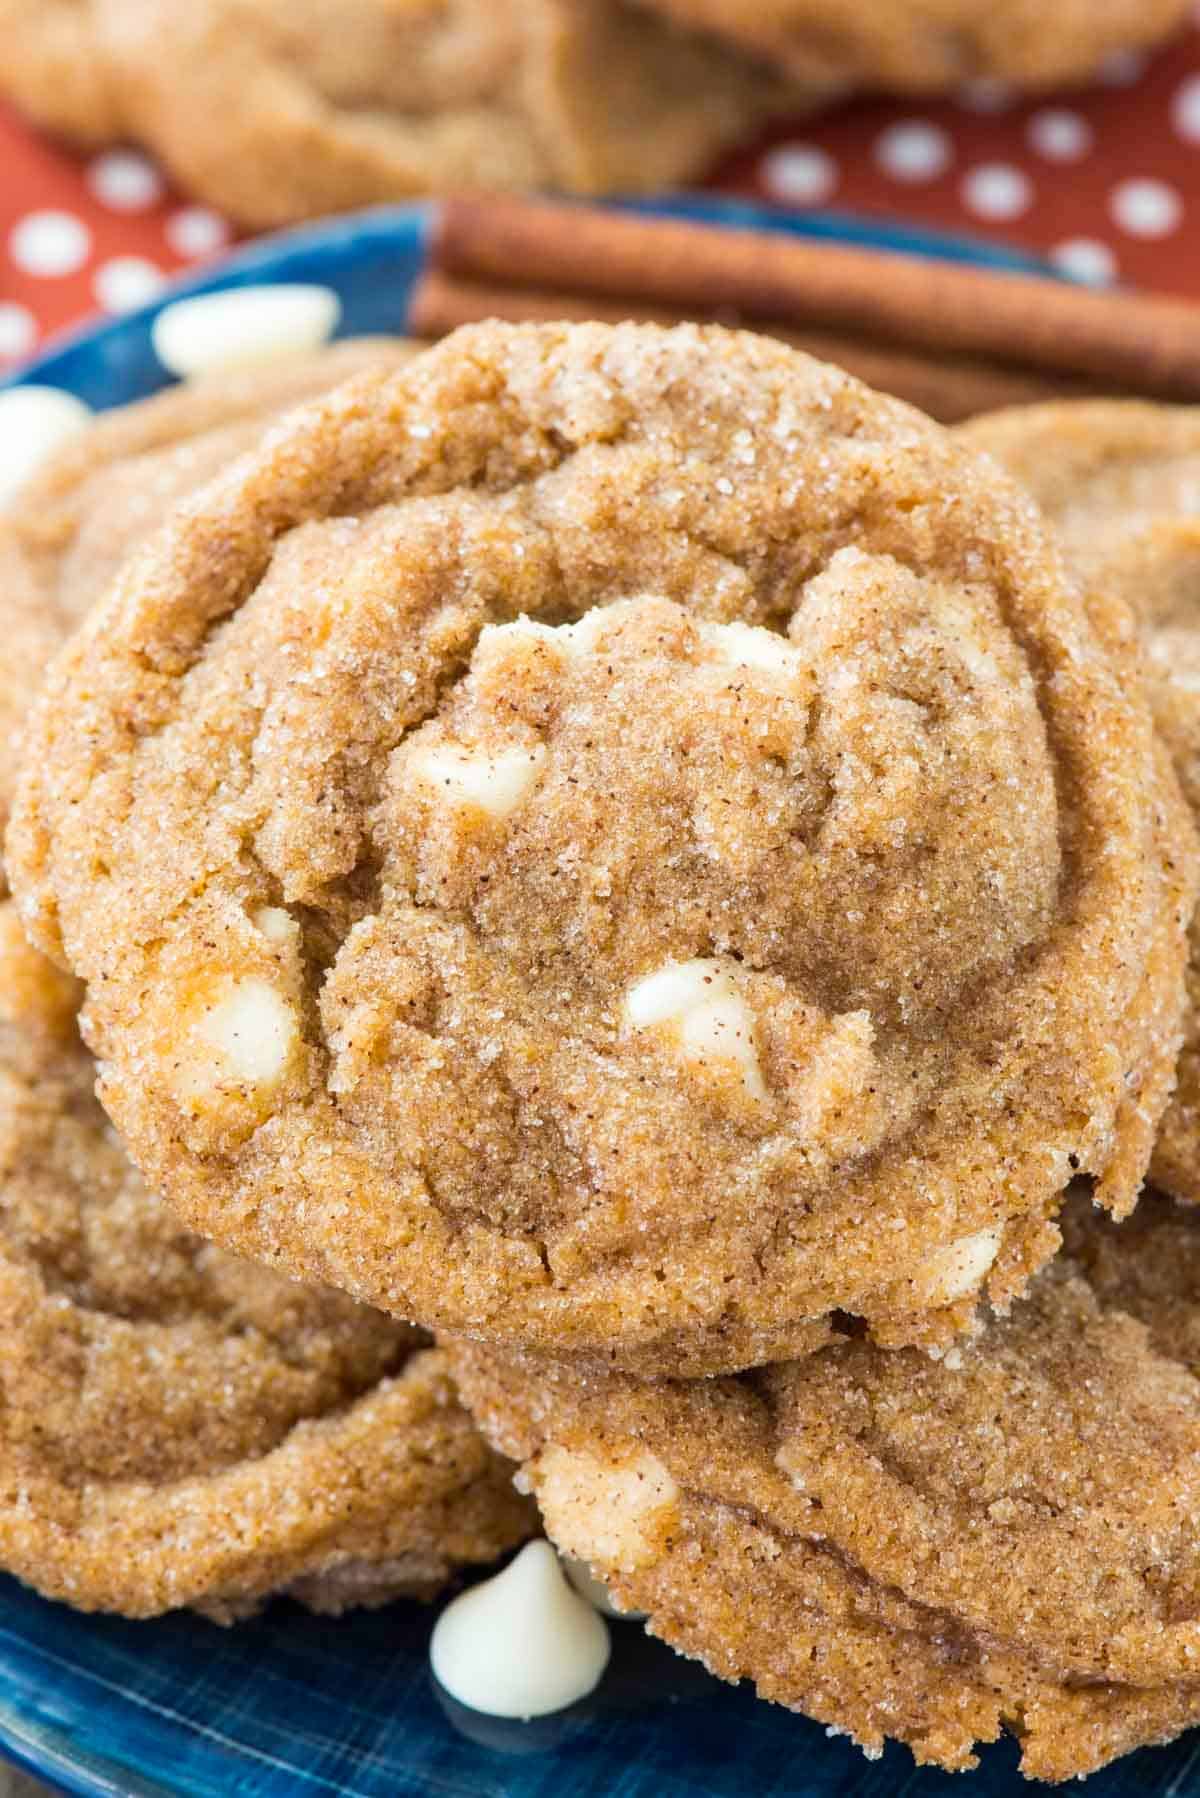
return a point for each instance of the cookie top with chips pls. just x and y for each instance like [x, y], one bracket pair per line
[619, 841]
[182, 1427]
[179, 1426]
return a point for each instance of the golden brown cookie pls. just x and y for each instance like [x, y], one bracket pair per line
[617, 841]
[100, 495]
[58, 74]
[329, 104]
[1121, 480]
[932, 1551]
[177, 1426]
[926, 45]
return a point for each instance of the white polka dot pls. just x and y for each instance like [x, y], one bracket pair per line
[1122, 68]
[18, 330]
[1146, 208]
[1185, 110]
[49, 243]
[1085, 259]
[800, 173]
[195, 231]
[997, 190]
[126, 282]
[124, 181]
[1060, 136]
[913, 150]
[986, 95]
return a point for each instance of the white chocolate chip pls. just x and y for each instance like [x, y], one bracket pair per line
[522, 1644]
[700, 1002]
[573, 640]
[596, 1592]
[957, 1270]
[607, 1513]
[750, 646]
[249, 1030]
[277, 925]
[243, 325]
[495, 784]
[34, 422]
[672, 991]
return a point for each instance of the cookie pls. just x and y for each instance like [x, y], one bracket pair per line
[99, 496]
[923, 46]
[338, 1465]
[1121, 480]
[330, 104]
[907, 1548]
[58, 75]
[617, 841]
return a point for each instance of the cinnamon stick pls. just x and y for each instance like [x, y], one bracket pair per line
[1120, 341]
[948, 389]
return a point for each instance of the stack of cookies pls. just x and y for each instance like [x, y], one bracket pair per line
[627, 850]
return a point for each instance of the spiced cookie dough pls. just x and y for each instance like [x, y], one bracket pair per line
[924, 46]
[930, 1551]
[617, 841]
[1121, 481]
[178, 1426]
[325, 105]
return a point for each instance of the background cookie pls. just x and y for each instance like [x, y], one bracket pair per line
[902, 1547]
[426, 957]
[1121, 480]
[178, 1426]
[59, 75]
[329, 104]
[924, 45]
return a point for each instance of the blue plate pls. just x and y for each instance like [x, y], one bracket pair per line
[291, 1705]
[373, 258]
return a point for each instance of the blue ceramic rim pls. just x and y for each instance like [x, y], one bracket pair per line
[362, 254]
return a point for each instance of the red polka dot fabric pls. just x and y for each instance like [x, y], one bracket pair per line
[1106, 183]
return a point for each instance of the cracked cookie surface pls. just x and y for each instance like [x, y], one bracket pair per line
[928, 45]
[619, 841]
[182, 1427]
[1121, 481]
[929, 1551]
[326, 105]
[179, 1426]
[76, 520]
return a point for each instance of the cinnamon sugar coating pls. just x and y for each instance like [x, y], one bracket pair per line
[179, 1426]
[1121, 481]
[74, 523]
[767, 926]
[930, 1551]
